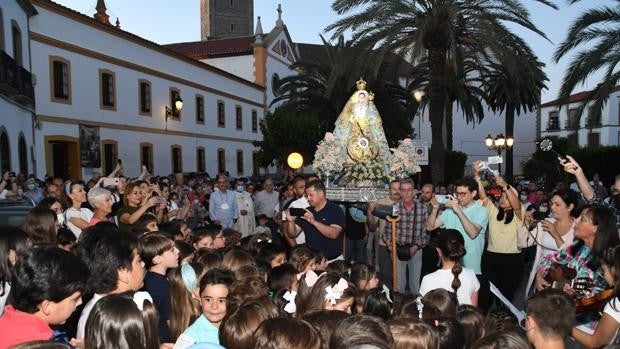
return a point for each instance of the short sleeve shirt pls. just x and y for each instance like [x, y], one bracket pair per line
[476, 214]
[328, 215]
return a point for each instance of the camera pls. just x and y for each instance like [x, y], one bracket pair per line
[539, 216]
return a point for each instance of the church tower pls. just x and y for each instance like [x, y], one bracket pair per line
[226, 18]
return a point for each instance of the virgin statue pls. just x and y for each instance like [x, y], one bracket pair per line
[359, 129]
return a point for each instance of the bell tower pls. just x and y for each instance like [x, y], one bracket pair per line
[226, 18]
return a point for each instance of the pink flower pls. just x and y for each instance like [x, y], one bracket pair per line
[407, 142]
[329, 136]
[329, 159]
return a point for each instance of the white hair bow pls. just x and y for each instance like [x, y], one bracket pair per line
[420, 306]
[290, 307]
[140, 297]
[334, 293]
[386, 292]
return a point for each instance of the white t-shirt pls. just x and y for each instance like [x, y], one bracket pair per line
[609, 309]
[6, 287]
[83, 213]
[81, 327]
[442, 278]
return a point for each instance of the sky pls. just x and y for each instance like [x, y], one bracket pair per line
[168, 21]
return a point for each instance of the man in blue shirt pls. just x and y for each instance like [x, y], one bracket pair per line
[322, 224]
[223, 204]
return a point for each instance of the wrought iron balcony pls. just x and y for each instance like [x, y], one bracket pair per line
[553, 125]
[25, 96]
[8, 75]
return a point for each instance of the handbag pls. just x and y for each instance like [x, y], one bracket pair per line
[403, 252]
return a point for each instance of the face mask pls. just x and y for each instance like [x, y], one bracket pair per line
[240, 189]
[31, 186]
[542, 208]
[60, 219]
[523, 197]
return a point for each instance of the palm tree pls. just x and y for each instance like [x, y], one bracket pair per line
[435, 29]
[513, 82]
[325, 82]
[598, 29]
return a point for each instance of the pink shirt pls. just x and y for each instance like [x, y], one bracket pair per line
[19, 327]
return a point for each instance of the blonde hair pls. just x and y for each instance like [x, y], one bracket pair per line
[301, 257]
[184, 309]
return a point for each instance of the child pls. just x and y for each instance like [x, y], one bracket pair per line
[362, 331]
[329, 292]
[65, 239]
[209, 236]
[550, 317]
[450, 333]
[378, 302]
[214, 288]
[159, 254]
[13, 241]
[412, 334]
[115, 266]
[364, 276]
[46, 288]
[271, 255]
[282, 332]
[452, 276]
[126, 320]
[303, 259]
[472, 320]
[183, 306]
[261, 225]
[238, 327]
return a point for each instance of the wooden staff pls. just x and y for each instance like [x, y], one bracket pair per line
[393, 220]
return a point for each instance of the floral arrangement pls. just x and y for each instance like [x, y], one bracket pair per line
[366, 171]
[403, 161]
[327, 156]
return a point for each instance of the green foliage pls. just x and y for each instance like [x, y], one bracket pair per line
[455, 165]
[285, 132]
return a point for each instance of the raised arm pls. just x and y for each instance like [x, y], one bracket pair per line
[571, 166]
[476, 173]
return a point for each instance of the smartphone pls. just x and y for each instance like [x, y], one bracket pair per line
[297, 212]
[111, 182]
[443, 199]
[119, 161]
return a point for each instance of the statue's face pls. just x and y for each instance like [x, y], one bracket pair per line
[361, 98]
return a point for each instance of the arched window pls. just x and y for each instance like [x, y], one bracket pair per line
[22, 152]
[5, 152]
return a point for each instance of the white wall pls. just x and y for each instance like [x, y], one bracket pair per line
[16, 120]
[242, 66]
[12, 11]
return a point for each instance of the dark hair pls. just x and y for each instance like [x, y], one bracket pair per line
[217, 276]
[117, 322]
[114, 251]
[65, 237]
[452, 246]
[554, 312]
[301, 257]
[46, 273]
[237, 258]
[313, 298]
[238, 327]
[42, 344]
[502, 340]
[408, 309]
[376, 303]
[282, 277]
[285, 332]
[472, 320]
[185, 249]
[450, 333]
[139, 226]
[40, 225]
[209, 258]
[444, 300]
[210, 230]
[11, 239]
[268, 253]
[412, 334]
[325, 322]
[505, 215]
[153, 245]
[569, 197]
[500, 320]
[316, 184]
[48, 202]
[468, 182]
[611, 258]
[359, 330]
[362, 273]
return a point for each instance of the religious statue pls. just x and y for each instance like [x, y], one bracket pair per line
[360, 130]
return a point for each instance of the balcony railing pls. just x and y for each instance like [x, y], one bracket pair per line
[553, 125]
[8, 74]
[15, 82]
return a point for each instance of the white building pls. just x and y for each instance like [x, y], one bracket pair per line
[103, 92]
[591, 129]
[16, 92]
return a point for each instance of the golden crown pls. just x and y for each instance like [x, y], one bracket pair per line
[361, 84]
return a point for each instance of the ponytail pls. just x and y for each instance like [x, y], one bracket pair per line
[456, 270]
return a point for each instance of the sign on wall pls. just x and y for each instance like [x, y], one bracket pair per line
[90, 146]
[421, 151]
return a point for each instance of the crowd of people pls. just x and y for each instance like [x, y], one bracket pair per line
[187, 261]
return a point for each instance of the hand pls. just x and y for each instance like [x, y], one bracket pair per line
[186, 201]
[570, 165]
[541, 283]
[243, 212]
[434, 202]
[413, 250]
[5, 176]
[78, 343]
[569, 290]
[453, 204]
[550, 227]
[372, 206]
[152, 201]
[118, 169]
[289, 217]
[477, 168]
[528, 218]
[308, 216]
[499, 180]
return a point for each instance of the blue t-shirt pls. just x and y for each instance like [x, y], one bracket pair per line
[202, 331]
[328, 215]
[158, 287]
[476, 214]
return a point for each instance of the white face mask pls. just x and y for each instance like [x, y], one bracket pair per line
[523, 198]
[31, 186]
[60, 219]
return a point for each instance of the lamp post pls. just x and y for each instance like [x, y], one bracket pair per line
[499, 143]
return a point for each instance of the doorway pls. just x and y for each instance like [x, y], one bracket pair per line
[62, 157]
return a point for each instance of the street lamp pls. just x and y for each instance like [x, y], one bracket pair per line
[295, 160]
[176, 108]
[499, 143]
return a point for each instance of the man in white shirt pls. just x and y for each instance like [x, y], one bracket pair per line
[265, 202]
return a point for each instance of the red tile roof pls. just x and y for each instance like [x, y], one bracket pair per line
[214, 47]
[574, 98]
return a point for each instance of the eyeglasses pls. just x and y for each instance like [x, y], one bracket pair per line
[461, 194]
